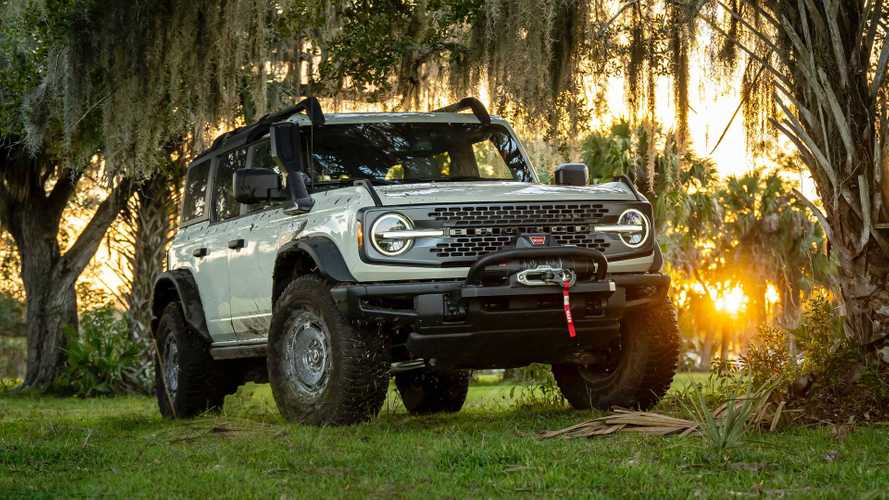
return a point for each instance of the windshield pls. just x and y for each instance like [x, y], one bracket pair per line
[415, 152]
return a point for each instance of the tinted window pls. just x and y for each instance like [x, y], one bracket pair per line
[415, 152]
[224, 204]
[195, 196]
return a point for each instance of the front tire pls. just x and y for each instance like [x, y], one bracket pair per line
[186, 377]
[322, 369]
[433, 391]
[640, 370]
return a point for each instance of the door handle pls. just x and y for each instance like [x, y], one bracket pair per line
[199, 252]
[236, 244]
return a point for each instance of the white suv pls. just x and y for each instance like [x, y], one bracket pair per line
[326, 253]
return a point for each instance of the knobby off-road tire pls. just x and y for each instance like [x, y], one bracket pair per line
[187, 380]
[642, 370]
[433, 391]
[322, 369]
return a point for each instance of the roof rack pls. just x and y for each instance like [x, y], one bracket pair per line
[478, 109]
[249, 133]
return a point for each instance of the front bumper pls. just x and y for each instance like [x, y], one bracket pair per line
[475, 324]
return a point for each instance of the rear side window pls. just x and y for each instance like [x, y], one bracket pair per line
[194, 203]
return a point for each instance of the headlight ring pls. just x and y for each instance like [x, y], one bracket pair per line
[388, 223]
[634, 217]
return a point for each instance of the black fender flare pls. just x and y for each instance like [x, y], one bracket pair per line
[310, 254]
[325, 253]
[179, 285]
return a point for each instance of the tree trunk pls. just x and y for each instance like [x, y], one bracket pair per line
[863, 286]
[51, 307]
[32, 215]
[155, 204]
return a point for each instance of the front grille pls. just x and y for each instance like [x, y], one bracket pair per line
[477, 230]
[525, 214]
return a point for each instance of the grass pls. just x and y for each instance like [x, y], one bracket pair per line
[120, 447]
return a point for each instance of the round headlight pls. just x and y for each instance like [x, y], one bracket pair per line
[388, 223]
[633, 217]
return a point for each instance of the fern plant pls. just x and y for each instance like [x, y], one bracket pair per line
[102, 359]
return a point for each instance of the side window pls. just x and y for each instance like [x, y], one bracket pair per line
[195, 197]
[224, 204]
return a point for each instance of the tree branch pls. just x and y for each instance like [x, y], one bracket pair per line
[780, 76]
[832, 9]
[822, 219]
[864, 194]
[744, 96]
[63, 190]
[72, 264]
[881, 69]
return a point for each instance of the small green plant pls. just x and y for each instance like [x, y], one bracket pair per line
[103, 359]
[727, 427]
[536, 387]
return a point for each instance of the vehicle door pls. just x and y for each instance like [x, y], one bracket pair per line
[251, 266]
[224, 216]
[198, 248]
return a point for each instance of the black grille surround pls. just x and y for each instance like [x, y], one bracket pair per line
[473, 230]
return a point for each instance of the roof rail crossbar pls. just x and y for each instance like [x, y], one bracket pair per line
[249, 133]
[478, 109]
[310, 106]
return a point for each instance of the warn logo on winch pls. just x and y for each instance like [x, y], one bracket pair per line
[533, 241]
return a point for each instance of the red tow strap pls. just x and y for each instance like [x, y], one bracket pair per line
[566, 295]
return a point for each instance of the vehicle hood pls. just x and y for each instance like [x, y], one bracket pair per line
[496, 192]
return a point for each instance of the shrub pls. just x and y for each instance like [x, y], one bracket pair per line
[103, 359]
[828, 376]
[536, 387]
[728, 427]
[823, 350]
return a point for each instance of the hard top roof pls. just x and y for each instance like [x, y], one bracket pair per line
[308, 112]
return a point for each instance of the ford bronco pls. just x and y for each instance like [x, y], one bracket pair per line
[325, 254]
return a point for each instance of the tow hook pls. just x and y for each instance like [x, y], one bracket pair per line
[545, 275]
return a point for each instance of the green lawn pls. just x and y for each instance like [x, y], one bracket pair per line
[121, 448]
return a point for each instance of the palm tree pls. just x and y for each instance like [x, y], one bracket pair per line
[771, 236]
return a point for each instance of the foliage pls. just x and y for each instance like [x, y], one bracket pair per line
[12, 316]
[727, 427]
[536, 387]
[650, 157]
[817, 365]
[102, 358]
[13, 351]
[823, 350]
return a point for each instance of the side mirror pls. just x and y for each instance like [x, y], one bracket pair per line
[286, 150]
[572, 174]
[257, 185]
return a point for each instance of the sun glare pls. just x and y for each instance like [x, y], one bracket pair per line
[772, 296]
[731, 301]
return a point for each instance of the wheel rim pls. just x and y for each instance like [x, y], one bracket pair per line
[171, 365]
[307, 353]
[600, 376]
